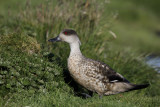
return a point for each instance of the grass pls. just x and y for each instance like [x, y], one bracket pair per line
[62, 98]
[32, 70]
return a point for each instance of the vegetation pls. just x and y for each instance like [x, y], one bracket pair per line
[33, 71]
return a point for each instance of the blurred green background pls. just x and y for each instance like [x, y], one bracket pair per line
[121, 33]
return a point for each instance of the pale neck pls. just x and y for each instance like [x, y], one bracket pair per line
[75, 49]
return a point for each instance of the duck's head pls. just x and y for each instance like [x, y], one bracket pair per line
[67, 35]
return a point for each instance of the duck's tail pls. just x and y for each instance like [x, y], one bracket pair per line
[119, 87]
[137, 87]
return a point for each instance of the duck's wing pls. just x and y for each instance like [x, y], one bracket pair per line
[107, 72]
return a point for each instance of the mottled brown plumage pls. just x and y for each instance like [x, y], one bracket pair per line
[93, 75]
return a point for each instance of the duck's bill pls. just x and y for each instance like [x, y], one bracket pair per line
[56, 39]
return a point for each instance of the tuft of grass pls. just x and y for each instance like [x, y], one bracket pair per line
[19, 42]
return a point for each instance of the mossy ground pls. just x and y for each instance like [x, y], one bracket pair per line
[33, 71]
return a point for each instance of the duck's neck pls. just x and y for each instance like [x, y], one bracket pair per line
[75, 49]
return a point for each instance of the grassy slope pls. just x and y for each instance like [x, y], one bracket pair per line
[122, 54]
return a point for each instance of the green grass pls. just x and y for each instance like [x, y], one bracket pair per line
[31, 69]
[62, 98]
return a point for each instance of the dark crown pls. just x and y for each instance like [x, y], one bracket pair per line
[69, 32]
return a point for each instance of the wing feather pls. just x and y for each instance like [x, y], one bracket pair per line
[107, 72]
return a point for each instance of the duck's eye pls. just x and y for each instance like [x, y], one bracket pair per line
[65, 33]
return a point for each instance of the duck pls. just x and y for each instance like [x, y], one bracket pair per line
[93, 75]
